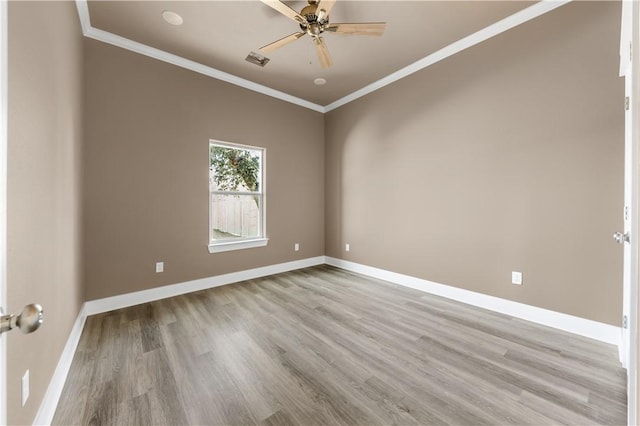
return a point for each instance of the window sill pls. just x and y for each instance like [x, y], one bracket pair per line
[237, 245]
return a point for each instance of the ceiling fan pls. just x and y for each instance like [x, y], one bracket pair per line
[314, 20]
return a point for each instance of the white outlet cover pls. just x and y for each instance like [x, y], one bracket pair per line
[25, 387]
[159, 267]
[516, 278]
[346, 247]
[296, 246]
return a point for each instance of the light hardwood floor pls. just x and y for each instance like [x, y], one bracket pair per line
[325, 346]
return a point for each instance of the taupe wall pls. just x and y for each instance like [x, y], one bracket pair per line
[44, 176]
[507, 156]
[148, 126]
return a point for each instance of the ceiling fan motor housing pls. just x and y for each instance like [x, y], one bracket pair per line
[314, 27]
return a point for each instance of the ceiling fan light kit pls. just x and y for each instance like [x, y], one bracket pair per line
[313, 20]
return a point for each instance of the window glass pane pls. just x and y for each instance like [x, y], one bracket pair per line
[235, 169]
[235, 216]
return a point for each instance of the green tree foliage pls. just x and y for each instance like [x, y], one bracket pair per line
[235, 169]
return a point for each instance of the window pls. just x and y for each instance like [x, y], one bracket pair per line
[236, 197]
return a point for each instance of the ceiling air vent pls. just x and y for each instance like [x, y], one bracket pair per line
[257, 59]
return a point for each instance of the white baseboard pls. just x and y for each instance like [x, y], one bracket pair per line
[54, 390]
[131, 299]
[581, 326]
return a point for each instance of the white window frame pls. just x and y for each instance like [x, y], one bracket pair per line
[222, 245]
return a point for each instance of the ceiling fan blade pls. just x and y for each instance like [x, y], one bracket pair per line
[286, 11]
[323, 53]
[362, 28]
[324, 7]
[282, 42]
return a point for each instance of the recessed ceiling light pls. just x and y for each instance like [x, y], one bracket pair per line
[172, 17]
[319, 81]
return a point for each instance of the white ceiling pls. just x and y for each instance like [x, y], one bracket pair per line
[218, 35]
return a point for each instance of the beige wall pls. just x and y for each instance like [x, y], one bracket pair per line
[148, 126]
[507, 156]
[45, 135]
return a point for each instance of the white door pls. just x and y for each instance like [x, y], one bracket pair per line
[625, 70]
[629, 235]
[630, 283]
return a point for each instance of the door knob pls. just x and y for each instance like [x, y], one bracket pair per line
[620, 238]
[27, 321]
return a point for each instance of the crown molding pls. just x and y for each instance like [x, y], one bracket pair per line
[518, 18]
[161, 55]
[471, 40]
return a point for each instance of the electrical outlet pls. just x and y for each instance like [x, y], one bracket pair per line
[25, 387]
[346, 247]
[159, 267]
[296, 247]
[516, 278]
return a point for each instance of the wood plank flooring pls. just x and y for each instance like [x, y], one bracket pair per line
[325, 346]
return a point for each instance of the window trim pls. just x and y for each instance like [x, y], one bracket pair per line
[242, 243]
[237, 245]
